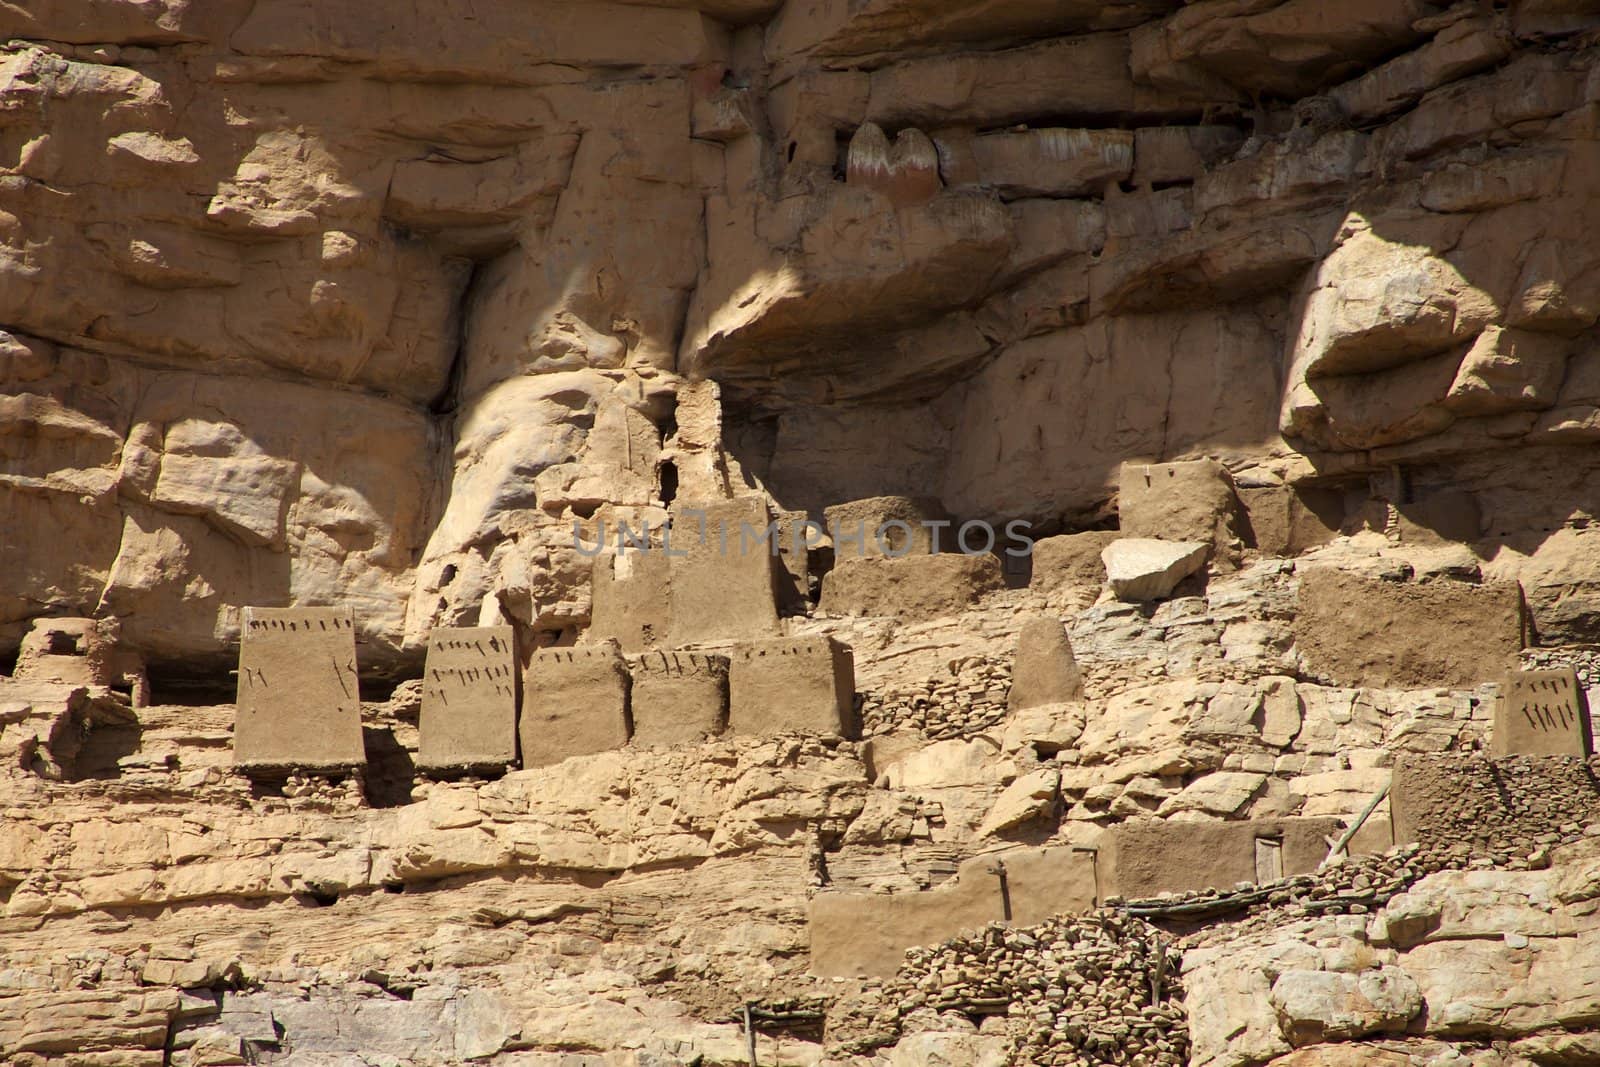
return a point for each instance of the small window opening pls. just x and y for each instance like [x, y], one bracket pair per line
[62, 644]
[668, 476]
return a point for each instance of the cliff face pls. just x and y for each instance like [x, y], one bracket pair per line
[372, 306]
[307, 303]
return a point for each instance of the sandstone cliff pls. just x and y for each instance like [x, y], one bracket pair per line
[372, 306]
[306, 304]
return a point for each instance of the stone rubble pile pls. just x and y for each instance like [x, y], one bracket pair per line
[1095, 989]
[970, 700]
[347, 791]
[803, 1014]
[1356, 886]
[1583, 661]
[1104, 988]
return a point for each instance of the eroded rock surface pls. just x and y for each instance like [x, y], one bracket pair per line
[300, 309]
[417, 313]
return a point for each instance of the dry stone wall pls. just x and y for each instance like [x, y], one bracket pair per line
[1513, 807]
[971, 699]
[1583, 661]
[1101, 989]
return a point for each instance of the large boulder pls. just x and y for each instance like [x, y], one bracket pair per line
[1316, 1006]
[1142, 568]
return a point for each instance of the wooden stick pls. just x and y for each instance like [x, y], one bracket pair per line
[1344, 839]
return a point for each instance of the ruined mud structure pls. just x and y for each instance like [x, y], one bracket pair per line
[823, 533]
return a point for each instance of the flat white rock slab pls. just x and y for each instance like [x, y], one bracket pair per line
[1143, 568]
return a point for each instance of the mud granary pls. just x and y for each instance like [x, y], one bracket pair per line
[339, 341]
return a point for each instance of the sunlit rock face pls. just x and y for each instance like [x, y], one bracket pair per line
[1273, 322]
[302, 304]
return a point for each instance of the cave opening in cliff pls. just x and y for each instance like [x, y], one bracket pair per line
[189, 684]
